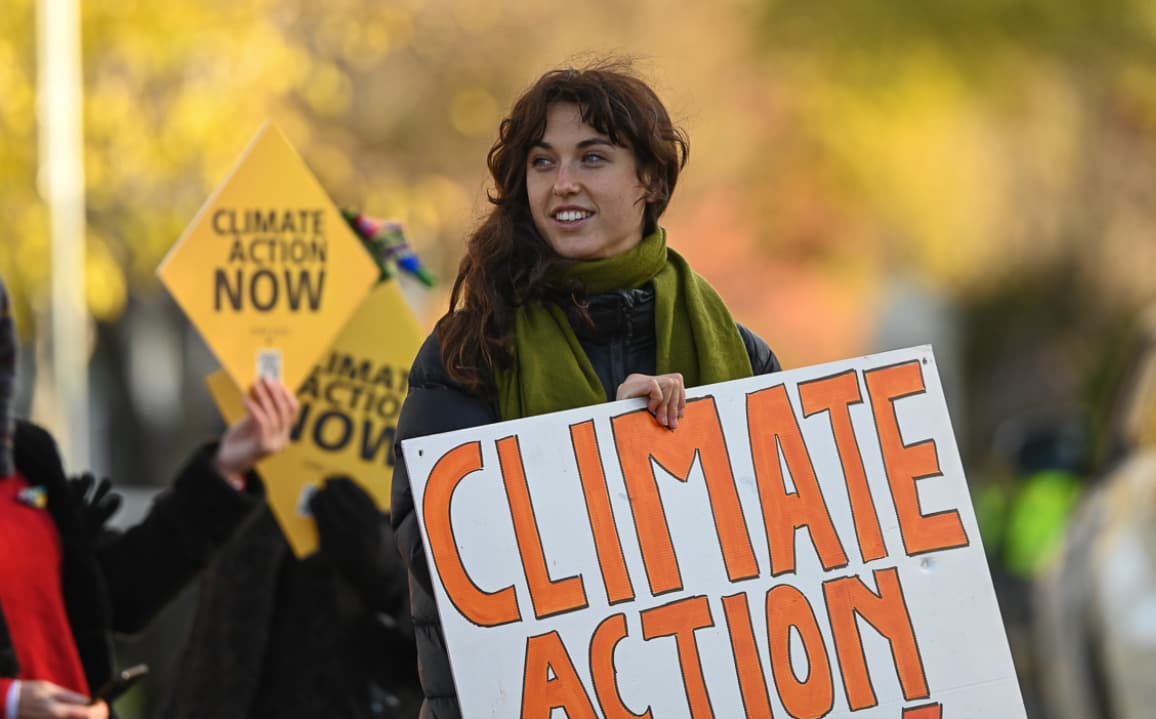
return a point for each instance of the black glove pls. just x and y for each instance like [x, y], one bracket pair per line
[356, 539]
[95, 502]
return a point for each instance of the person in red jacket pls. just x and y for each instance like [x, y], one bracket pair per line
[68, 582]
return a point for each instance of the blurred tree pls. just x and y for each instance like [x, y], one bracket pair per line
[974, 130]
[833, 145]
[1000, 149]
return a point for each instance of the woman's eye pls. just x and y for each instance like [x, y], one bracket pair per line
[539, 162]
[592, 158]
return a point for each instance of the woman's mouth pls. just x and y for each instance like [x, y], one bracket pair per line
[569, 216]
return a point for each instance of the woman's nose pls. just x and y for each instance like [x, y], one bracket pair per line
[564, 183]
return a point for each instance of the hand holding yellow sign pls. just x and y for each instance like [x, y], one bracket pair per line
[349, 409]
[269, 270]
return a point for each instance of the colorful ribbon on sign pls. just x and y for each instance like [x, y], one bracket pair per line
[386, 241]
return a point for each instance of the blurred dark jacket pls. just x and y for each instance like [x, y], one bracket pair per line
[275, 636]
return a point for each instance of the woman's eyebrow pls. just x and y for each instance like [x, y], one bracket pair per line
[591, 142]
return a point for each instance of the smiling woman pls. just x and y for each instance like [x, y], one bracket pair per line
[568, 296]
[585, 195]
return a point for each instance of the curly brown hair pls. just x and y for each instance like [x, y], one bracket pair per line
[507, 262]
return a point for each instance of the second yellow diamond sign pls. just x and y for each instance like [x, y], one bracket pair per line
[269, 271]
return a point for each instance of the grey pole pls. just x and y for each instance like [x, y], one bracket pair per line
[61, 179]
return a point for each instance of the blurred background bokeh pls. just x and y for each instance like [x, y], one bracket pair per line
[979, 175]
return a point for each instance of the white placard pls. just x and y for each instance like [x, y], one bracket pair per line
[803, 545]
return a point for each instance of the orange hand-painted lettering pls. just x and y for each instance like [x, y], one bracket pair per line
[752, 680]
[679, 619]
[926, 711]
[907, 464]
[550, 681]
[772, 423]
[488, 609]
[549, 597]
[607, 542]
[835, 395]
[787, 607]
[886, 611]
[611, 631]
[640, 441]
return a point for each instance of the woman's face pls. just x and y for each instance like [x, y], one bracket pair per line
[584, 191]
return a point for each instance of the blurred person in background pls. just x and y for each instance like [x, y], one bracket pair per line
[1096, 628]
[568, 296]
[1023, 510]
[328, 635]
[68, 582]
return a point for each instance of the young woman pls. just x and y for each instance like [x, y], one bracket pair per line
[568, 296]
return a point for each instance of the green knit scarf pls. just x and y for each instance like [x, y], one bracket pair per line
[695, 333]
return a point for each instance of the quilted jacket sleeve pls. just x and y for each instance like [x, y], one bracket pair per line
[763, 360]
[434, 405]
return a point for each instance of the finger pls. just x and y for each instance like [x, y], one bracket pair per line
[294, 404]
[84, 484]
[669, 408]
[83, 711]
[655, 395]
[283, 401]
[285, 406]
[257, 414]
[679, 405]
[669, 404]
[62, 695]
[102, 489]
[666, 410]
[263, 393]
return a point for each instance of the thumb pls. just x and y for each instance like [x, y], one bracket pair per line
[60, 694]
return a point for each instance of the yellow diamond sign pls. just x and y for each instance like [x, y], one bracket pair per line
[350, 403]
[268, 271]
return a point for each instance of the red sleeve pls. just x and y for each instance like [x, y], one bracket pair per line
[5, 686]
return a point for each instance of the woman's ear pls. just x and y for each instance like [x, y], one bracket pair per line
[650, 190]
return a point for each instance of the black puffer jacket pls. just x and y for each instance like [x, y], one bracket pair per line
[620, 343]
